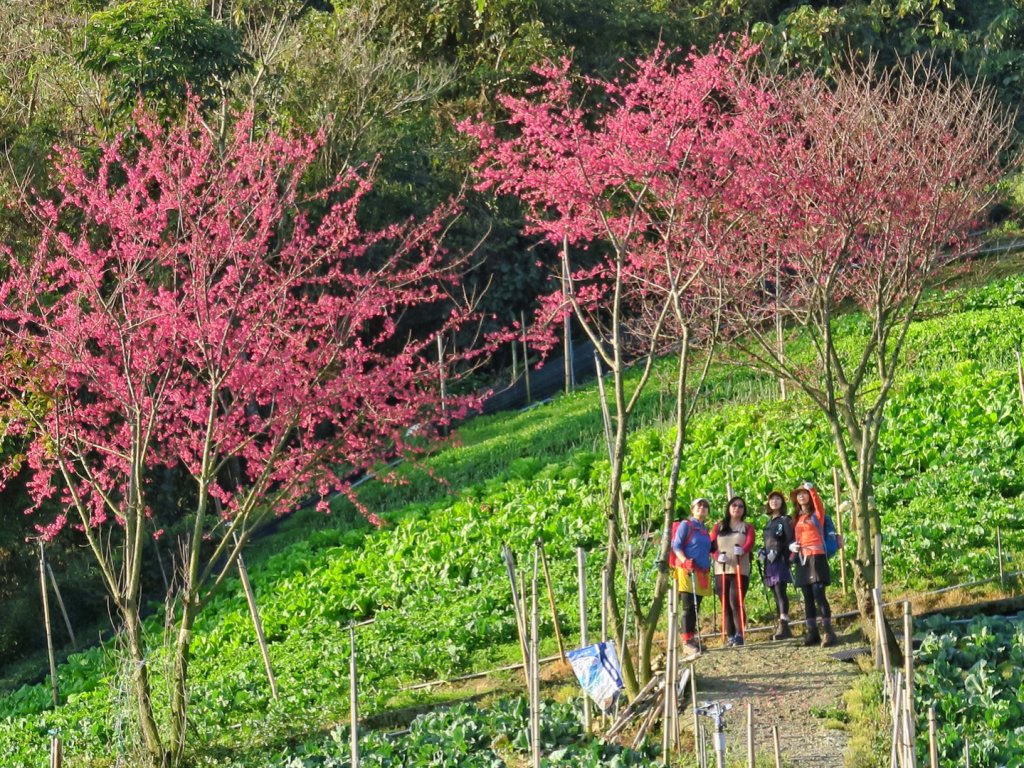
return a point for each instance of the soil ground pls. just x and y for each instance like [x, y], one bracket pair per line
[795, 688]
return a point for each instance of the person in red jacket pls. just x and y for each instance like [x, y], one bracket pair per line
[810, 563]
[733, 539]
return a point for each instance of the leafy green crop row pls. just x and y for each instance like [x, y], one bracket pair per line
[951, 470]
[974, 676]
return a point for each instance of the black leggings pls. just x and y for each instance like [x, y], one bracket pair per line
[815, 593]
[690, 604]
[734, 599]
[781, 599]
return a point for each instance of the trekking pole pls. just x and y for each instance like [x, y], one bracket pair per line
[740, 598]
[725, 600]
[716, 712]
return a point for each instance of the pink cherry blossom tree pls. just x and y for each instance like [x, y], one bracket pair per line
[868, 187]
[638, 178]
[186, 308]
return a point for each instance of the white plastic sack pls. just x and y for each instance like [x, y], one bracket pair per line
[599, 672]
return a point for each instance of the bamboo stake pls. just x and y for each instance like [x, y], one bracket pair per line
[999, 551]
[526, 359]
[56, 752]
[581, 578]
[883, 645]
[778, 746]
[1020, 376]
[567, 324]
[49, 627]
[517, 607]
[353, 697]
[967, 753]
[896, 753]
[933, 747]
[534, 668]
[60, 604]
[254, 612]
[839, 523]
[908, 728]
[750, 734]
[693, 706]
[551, 600]
[908, 674]
[441, 374]
[878, 562]
[515, 360]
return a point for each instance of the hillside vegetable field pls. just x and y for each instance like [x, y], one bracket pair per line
[951, 471]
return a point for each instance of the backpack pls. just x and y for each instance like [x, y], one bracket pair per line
[829, 537]
[673, 561]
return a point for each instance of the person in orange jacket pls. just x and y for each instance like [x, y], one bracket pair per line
[810, 563]
[733, 539]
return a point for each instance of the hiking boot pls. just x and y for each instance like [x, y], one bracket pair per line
[737, 640]
[783, 632]
[828, 638]
[731, 641]
[690, 650]
[812, 637]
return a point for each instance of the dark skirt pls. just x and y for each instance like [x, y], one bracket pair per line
[777, 572]
[811, 570]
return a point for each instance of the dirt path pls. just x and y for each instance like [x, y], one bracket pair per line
[790, 686]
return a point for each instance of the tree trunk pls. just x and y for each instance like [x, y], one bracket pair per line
[179, 684]
[155, 752]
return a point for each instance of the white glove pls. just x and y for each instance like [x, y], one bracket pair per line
[772, 554]
[722, 557]
[738, 551]
[794, 547]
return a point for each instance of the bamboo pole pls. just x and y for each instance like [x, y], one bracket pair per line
[896, 753]
[883, 645]
[534, 669]
[908, 674]
[933, 747]
[777, 745]
[517, 607]
[836, 489]
[551, 600]
[442, 378]
[581, 578]
[526, 359]
[750, 734]
[56, 752]
[48, 626]
[353, 697]
[999, 552]
[254, 612]
[567, 323]
[1020, 376]
[60, 604]
[515, 360]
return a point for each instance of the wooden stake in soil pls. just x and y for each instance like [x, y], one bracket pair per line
[254, 612]
[551, 600]
[908, 674]
[567, 324]
[60, 604]
[1020, 376]
[839, 523]
[750, 735]
[526, 359]
[581, 578]
[999, 552]
[933, 747]
[442, 378]
[778, 746]
[48, 626]
[534, 669]
[517, 607]
[353, 697]
[876, 595]
[56, 752]
[693, 705]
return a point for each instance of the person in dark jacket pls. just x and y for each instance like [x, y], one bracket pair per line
[778, 535]
[691, 546]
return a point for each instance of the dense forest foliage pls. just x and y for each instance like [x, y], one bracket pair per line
[385, 83]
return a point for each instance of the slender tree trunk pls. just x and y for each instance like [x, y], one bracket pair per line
[155, 751]
[179, 684]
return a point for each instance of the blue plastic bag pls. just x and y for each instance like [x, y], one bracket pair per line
[599, 672]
